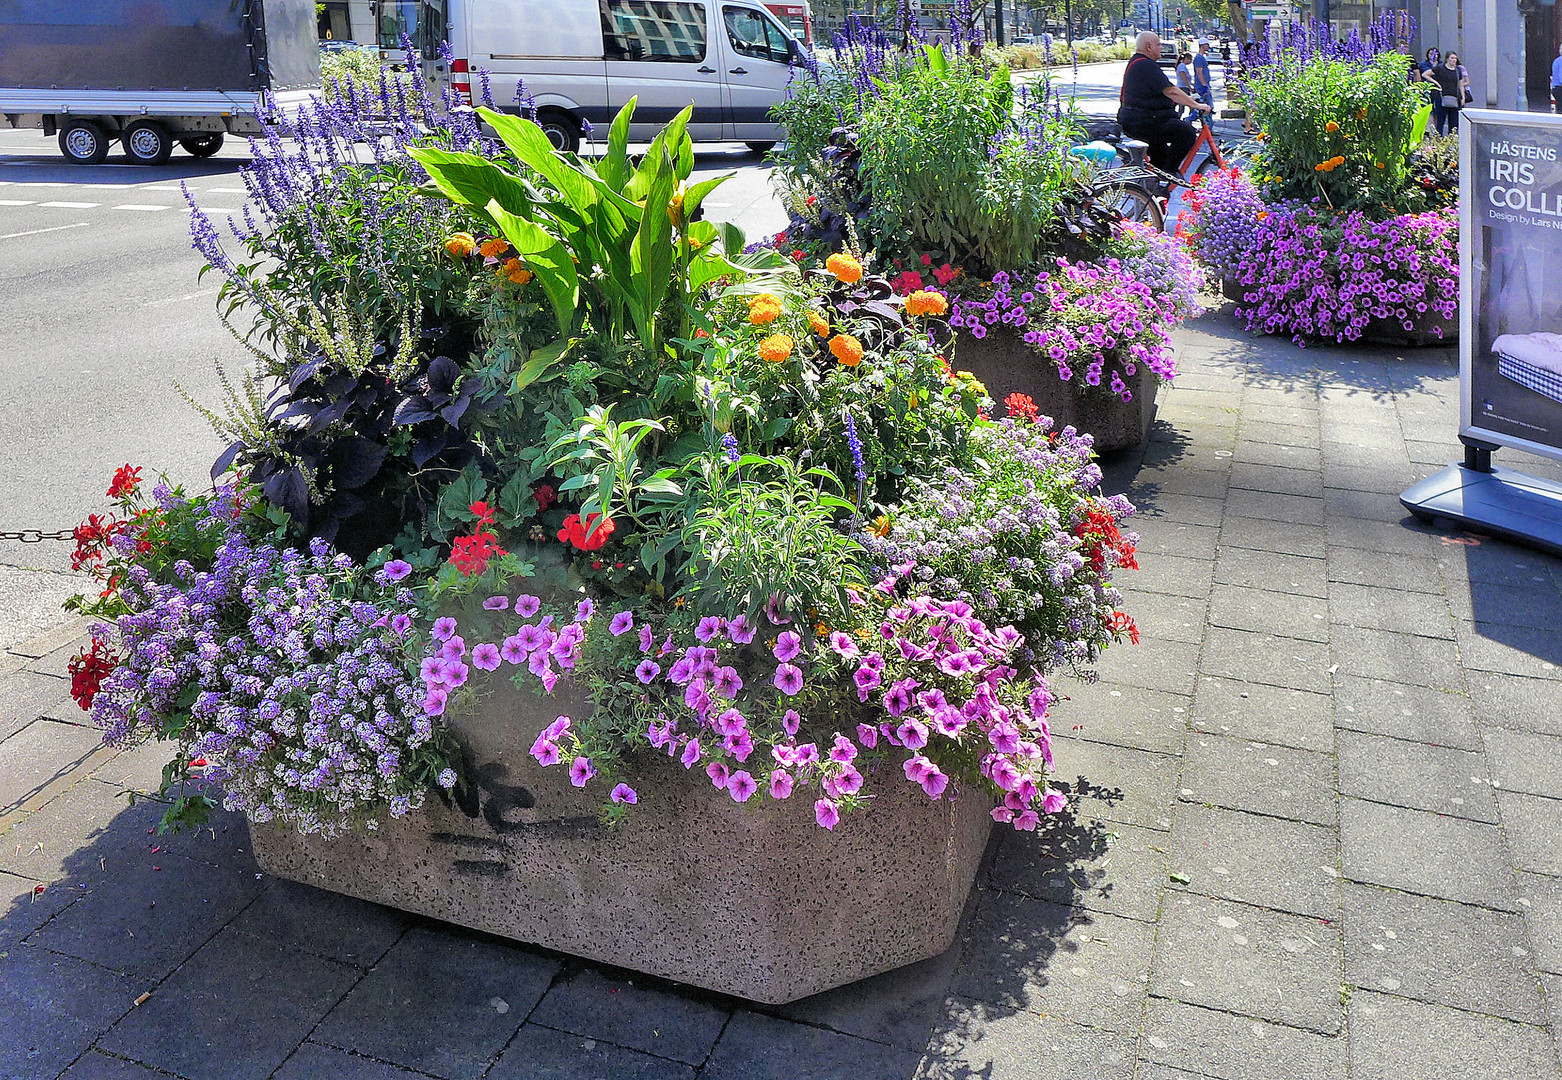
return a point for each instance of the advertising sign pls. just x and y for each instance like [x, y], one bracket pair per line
[1510, 190]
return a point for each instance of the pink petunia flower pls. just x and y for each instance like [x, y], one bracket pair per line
[868, 735]
[443, 628]
[496, 603]
[741, 786]
[526, 606]
[511, 651]
[647, 670]
[789, 679]
[1053, 801]
[717, 771]
[788, 645]
[691, 754]
[647, 639]
[581, 771]
[740, 631]
[434, 701]
[790, 722]
[842, 751]
[485, 656]
[621, 624]
[826, 814]
[780, 784]
[623, 793]
[843, 645]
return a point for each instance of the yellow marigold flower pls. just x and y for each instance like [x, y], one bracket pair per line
[846, 349]
[923, 302]
[844, 267]
[763, 309]
[1331, 127]
[819, 324]
[492, 249]
[881, 525]
[776, 348]
[517, 273]
[460, 245]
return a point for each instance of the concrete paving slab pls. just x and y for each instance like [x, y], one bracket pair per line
[1264, 713]
[1121, 715]
[1418, 775]
[639, 1017]
[1239, 774]
[1233, 1046]
[979, 1040]
[1424, 853]
[1273, 863]
[1396, 1039]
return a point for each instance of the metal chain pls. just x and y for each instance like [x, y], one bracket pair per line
[38, 536]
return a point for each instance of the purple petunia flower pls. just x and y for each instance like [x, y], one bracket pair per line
[647, 639]
[780, 784]
[691, 754]
[397, 569]
[434, 701]
[444, 627]
[526, 606]
[1053, 801]
[740, 631]
[726, 682]
[717, 771]
[868, 735]
[709, 627]
[401, 624]
[647, 670]
[789, 679]
[622, 623]
[826, 814]
[496, 603]
[584, 610]
[843, 645]
[788, 645]
[485, 656]
[511, 651]
[790, 722]
[581, 771]
[741, 786]
[623, 793]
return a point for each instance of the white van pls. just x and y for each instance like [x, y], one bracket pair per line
[581, 60]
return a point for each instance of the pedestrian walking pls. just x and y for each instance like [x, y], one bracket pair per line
[1556, 80]
[1452, 82]
[1434, 57]
[1203, 84]
[1184, 79]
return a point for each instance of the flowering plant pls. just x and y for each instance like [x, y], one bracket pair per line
[1161, 263]
[1222, 220]
[1095, 322]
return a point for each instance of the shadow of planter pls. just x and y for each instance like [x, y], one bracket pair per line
[1006, 365]
[1423, 332]
[756, 901]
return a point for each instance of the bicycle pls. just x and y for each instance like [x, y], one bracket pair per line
[1138, 190]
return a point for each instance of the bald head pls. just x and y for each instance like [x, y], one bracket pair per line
[1149, 43]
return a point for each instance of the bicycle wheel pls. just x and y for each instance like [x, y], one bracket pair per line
[1132, 201]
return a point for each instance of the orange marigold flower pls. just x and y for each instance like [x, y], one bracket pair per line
[1331, 127]
[763, 309]
[846, 349]
[776, 348]
[819, 324]
[517, 273]
[880, 526]
[925, 302]
[460, 245]
[844, 267]
[492, 249]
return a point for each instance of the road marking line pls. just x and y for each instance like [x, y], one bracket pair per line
[174, 190]
[71, 205]
[16, 202]
[229, 190]
[181, 299]
[36, 232]
[140, 206]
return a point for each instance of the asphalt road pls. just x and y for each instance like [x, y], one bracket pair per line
[101, 313]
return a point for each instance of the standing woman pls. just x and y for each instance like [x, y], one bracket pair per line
[1451, 80]
[1433, 58]
[1184, 77]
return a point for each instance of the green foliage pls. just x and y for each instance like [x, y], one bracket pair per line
[1338, 129]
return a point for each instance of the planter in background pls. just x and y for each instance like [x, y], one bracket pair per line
[1385, 331]
[756, 901]
[1006, 365]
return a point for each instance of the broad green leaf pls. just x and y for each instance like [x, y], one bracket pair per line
[576, 482]
[539, 361]
[733, 239]
[548, 259]
[651, 255]
[652, 164]
[614, 166]
[528, 142]
[469, 180]
[936, 61]
[695, 195]
[1418, 126]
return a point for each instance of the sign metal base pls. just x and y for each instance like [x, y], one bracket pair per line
[1524, 509]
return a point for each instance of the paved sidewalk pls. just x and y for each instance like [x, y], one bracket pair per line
[1317, 829]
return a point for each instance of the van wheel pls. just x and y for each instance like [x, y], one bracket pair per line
[561, 129]
[202, 145]
[147, 142]
[761, 147]
[83, 143]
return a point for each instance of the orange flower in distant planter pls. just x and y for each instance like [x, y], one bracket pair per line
[763, 309]
[492, 249]
[776, 348]
[846, 349]
[517, 273]
[819, 323]
[460, 245]
[1331, 127]
[844, 267]
[923, 302]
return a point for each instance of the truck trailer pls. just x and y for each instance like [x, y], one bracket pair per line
[152, 73]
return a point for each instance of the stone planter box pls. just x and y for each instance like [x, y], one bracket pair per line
[1385, 331]
[1006, 365]
[755, 901]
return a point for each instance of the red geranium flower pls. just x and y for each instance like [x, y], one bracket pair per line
[484, 512]
[126, 480]
[1021, 407]
[88, 670]
[544, 494]
[588, 535]
[470, 554]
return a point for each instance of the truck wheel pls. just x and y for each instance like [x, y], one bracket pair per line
[147, 142]
[202, 145]
[83, 142]
[561, 128]
[761, 147]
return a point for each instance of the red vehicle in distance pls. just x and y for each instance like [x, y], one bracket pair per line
[798, 18]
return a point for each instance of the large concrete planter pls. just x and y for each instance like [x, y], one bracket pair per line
[755, 901]
[1006, 365]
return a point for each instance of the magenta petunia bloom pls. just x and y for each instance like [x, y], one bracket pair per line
[717, 771]
[708, 627]
[485, 657]
[867, 679]
[526, 606]
[934, 782]
[647, 670]
[780, 784]
[691, 754]
[1005, 775]
[397, 569]
[868, 735]
[826, 814]
[454, 647]
[401, 624]
[623, 793]
[1027, 820]
[740, 631]
[434, 701]
[790, 722]
[789, 679]
[546, 752]
[584, 610]
[805, 754]
[443, 628]
[581, 771]
[726, 682]
[455, 673]
[647, 639]
[1040, 698]
[432, 670]
[1053, 801]
[622, 623]
[775, 612]
[916, 768]
[898, 699]
[741, 786]
[842, 751]
[511, 651]
[1005, 738]
[496, 603]
[843, 645]
[739, 745]
[788, 645]
[730, 722]
[912, 733]
[848, 781]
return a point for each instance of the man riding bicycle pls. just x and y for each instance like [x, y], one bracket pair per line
[1148, 109]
